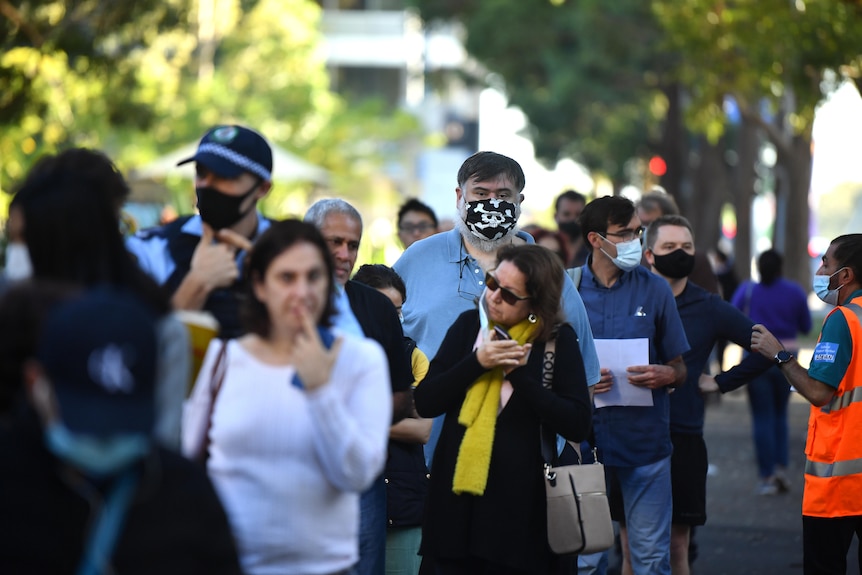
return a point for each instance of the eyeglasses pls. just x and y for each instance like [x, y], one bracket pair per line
[508, 296]
[626, 235]
[413, 228]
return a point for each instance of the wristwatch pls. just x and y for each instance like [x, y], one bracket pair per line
[782, 357]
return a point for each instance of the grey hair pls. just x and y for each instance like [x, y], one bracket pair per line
[317, 213]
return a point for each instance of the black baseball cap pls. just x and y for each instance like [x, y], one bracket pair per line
[99, 352]
[230, 150]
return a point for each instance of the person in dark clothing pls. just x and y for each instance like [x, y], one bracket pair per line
[406, 472]
[486, 509]
[198, 258]
[68, 211]
[706, 318]
[364, 311]
[83, 488]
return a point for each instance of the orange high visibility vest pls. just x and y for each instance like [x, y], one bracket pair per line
[833, 466]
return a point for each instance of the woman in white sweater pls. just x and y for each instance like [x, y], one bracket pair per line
[299, 421]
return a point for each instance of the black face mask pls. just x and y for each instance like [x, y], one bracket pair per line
[220, 210]
[677, 264]
[571, 229]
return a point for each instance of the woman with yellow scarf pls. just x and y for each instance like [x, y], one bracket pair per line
[485, 512]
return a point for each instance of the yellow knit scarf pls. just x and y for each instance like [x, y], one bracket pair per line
[479, 415]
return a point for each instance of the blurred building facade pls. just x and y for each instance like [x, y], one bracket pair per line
[380, 49]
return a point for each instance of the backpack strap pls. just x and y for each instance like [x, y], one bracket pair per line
[575, 274]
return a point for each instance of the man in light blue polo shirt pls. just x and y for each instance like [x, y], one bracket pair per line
[198, 258]
[445, 273]
[625, 301]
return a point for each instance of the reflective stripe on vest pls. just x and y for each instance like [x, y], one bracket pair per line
[837, 469]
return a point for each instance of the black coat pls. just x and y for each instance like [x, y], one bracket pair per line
[508, 524]
[175, 524]
[379, 321]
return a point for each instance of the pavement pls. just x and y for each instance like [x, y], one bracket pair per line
[747, 533]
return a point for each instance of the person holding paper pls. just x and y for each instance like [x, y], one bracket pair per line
[624, 301]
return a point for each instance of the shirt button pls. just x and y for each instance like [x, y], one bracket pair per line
[386, 480]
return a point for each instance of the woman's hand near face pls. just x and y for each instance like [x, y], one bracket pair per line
[312, 360]
[505, 353]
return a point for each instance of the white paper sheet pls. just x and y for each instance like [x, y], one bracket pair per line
[617, 355]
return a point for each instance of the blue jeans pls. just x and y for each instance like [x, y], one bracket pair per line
[768, 397]
[648, 509]
[372, 530]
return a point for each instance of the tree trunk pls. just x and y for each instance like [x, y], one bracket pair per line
[793, 215]
[673, 145]
[710, 186]
[743, 194]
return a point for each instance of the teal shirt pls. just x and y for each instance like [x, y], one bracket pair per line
[832, 353]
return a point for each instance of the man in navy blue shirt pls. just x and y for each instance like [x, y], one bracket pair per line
[706, 318]
[625, 301]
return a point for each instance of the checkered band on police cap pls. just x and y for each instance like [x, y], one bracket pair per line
[228, 151]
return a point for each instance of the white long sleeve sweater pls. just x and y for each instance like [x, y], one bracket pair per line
[289, 464]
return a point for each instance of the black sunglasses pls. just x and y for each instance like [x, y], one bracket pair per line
[508, 296]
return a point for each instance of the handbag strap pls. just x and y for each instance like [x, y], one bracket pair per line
[549, 440]
[217, 376]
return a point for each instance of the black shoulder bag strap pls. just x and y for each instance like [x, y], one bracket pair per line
[549, 440]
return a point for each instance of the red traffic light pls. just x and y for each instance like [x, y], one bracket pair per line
[657, 166]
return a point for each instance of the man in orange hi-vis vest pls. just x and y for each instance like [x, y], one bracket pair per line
[832, 501]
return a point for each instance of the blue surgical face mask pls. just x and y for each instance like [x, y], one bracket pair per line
[820, 285]
[96, 457]
[18, 266]
[628, 254]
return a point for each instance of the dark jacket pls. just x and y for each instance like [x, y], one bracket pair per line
[379, 321]
[222, 302]
[406, 475]
[508, 524]
[708, 318]
[175, 524]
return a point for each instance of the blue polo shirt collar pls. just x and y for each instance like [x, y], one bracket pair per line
[589, 276]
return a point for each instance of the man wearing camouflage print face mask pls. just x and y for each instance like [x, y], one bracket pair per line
[197, 258]
[445, 273]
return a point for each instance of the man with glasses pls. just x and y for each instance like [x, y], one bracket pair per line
[416, 221]
[625, 301]
[445, 274]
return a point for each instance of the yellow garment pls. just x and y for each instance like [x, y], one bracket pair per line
[419, 363]
[479, 416]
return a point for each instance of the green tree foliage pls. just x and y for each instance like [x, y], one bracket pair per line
[68, 71]
[587, 74]
[758, 51]
[141, 78]
[770, 56]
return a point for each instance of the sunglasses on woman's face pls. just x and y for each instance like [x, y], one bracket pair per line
[508, 296]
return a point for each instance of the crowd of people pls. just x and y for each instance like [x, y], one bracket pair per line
[388, 421]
